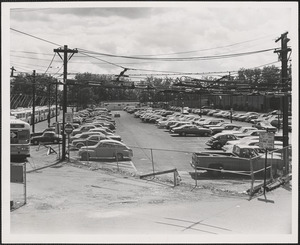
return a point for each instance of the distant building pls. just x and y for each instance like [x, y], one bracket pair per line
[118, 105]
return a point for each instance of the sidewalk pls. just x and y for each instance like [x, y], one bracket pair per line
[106, 206]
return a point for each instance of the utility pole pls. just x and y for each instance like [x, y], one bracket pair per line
[56, 90]
[12, 71]
[65, 50]
[283, 52]
[33, 103]
[49, 105]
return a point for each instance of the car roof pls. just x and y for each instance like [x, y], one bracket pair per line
[112, 141]
[89, 132]
[222, 133]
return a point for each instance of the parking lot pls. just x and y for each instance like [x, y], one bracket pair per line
[154, 150]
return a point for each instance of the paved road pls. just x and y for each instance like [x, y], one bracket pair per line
[168, 151]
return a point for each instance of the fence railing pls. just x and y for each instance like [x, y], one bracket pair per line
[171, 163]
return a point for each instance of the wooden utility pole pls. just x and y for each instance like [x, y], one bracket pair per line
[33, 103]
[283, 52]
[56, 90]
[65, 59]
[49, 105]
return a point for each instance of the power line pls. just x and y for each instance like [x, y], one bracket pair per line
[31, 58]
[194, 73]
[36, 37]
[182, 58]
[114, 64]
[77, 56]
[200, 50]
[50, 64]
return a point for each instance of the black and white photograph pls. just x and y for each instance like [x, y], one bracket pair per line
[149, 122]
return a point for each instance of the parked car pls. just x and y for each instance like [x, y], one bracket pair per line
[83, 129]
[246, 130]
[265, 125]
[220, 124]
[105, 149]
[46, 137]
[219, 140]
[191, 129]
[100, 129]
[255, 132]
[239, 130]
[208, 122]
[91, 140]
[211, 112]
[242, 141]
[178, 124]
[83, 136]
[244, 117]
[237, 160]
[251, 117]
[226, 126]
[250, 142]
[110, 135]
[105, 123]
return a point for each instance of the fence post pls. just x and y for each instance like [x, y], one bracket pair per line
[116, 153]
[252, 177]
[152, 160]
[175, 182]
[196, 176]
[287, 160]
[271, 166]
[25, 193]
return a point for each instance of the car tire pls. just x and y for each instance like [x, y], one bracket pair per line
[183, 134]
[218, 146]
[205, 134]
[35, 142]
[55, 141]
[85, 156]
[79, 145]
[119, 157]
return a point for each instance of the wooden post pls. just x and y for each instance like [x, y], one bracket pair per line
[252, 177]
[265, 175]
[152, 160]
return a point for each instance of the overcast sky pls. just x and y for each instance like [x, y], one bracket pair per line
[168, 30]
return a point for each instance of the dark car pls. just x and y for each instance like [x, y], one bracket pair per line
[106, 123]
[191, 129]
[91, 140]
[47, 137]
[219, 140]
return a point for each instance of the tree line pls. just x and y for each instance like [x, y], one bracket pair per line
[81, 94]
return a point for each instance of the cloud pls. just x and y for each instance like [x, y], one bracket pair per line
[154, 31]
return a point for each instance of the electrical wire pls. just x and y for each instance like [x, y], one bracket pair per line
[50, 63]
[31, 58]
[87, 53]
[28, 52]
[200, 50]
[114, 64]
[36, 37]
[182, 58]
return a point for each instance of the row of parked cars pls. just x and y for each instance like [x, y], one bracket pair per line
[221, 131]
[274, 118]
[93, 136]
[96, 138]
